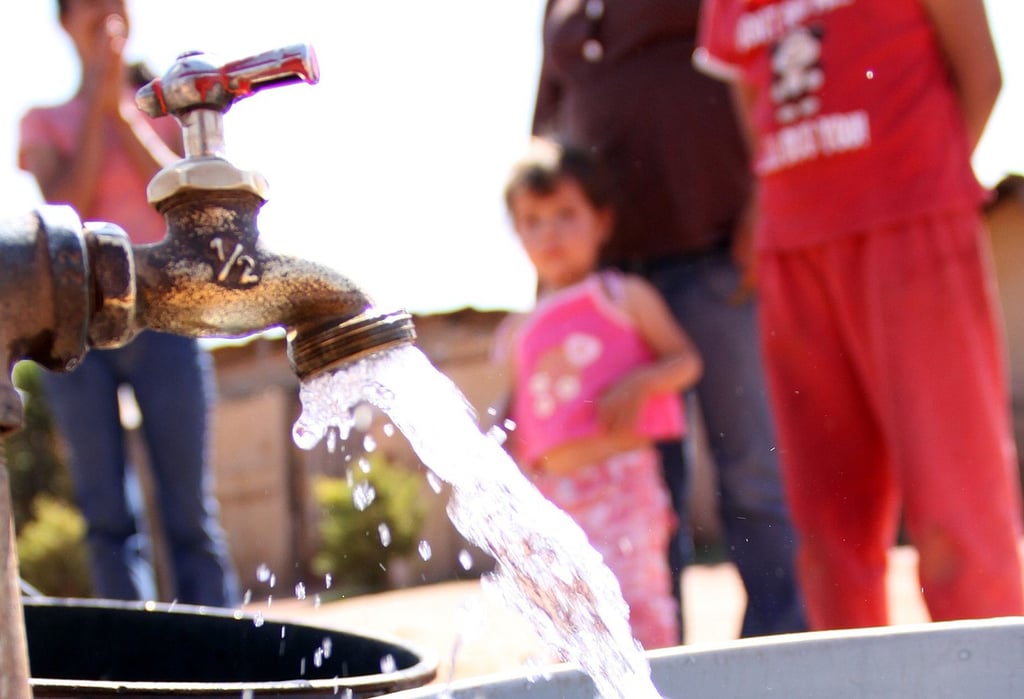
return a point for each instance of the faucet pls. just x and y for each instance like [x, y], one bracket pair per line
[210, 277]
[66, 286]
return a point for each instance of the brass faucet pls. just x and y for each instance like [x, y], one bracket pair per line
[66, 287]
[210, 276]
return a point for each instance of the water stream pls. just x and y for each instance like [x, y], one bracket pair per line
[546, 569]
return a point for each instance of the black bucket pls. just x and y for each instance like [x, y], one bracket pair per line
[100, 648]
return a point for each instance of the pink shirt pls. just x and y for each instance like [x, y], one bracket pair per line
[121, 196]
[857, 122]
[573, 346]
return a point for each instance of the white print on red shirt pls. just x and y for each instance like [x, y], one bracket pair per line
[798, 77]
[770, 23]
[825, 135]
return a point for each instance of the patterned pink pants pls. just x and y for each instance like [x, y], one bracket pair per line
[624, 508]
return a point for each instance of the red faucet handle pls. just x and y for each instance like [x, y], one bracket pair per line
[198, 81]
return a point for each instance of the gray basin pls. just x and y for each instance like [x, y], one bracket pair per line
[970, 659]
[100, 648]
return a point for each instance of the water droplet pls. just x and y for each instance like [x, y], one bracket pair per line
[332, 441]
[328, 645]
[263, 572]
[302, 667]
[424, 550]
[273, 580]
[389, 430]
[369, 444]
[318, 657]
[385, 534]
[327, 581]
[388, 664]
[247, 597]
[363, 495]
[316, 602]
[257, 620]
[283, 630]
[465, 559]
[364, 465]
[300, 591]
[509, 424]
[362, 417]
[304, 437]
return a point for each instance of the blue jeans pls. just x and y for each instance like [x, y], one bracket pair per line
[700, 291]
[173, 385]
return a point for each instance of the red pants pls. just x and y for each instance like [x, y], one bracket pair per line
[887, 376]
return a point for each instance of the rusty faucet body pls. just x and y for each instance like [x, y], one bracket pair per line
[211, 276]
[66, 287]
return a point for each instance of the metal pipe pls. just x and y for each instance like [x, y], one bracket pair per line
[53, 305]
[14, 676]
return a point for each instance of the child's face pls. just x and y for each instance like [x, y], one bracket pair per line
[562, 232]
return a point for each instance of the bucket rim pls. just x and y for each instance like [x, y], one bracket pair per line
[417, 675]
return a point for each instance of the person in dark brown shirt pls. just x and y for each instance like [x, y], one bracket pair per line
[617, 77]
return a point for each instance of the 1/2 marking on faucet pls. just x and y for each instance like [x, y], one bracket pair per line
[236, 258]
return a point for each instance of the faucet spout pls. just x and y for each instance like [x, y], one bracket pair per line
[211, 277]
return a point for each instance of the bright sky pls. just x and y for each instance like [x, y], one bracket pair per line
[391, 168]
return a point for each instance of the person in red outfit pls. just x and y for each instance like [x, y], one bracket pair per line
[882, 343]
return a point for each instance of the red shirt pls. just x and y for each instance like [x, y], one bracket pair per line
[856, 120]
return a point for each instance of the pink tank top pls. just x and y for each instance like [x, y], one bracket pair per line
[574, 345]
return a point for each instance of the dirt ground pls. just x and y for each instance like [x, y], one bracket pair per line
[472, 634]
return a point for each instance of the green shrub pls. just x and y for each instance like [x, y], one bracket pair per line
[51, 549]
[350, 546]
[33, 454]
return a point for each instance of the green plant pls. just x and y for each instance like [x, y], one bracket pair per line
[379, 502]
[33, 455]
[51, 549]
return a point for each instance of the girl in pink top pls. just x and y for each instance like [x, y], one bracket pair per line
[595, 372]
